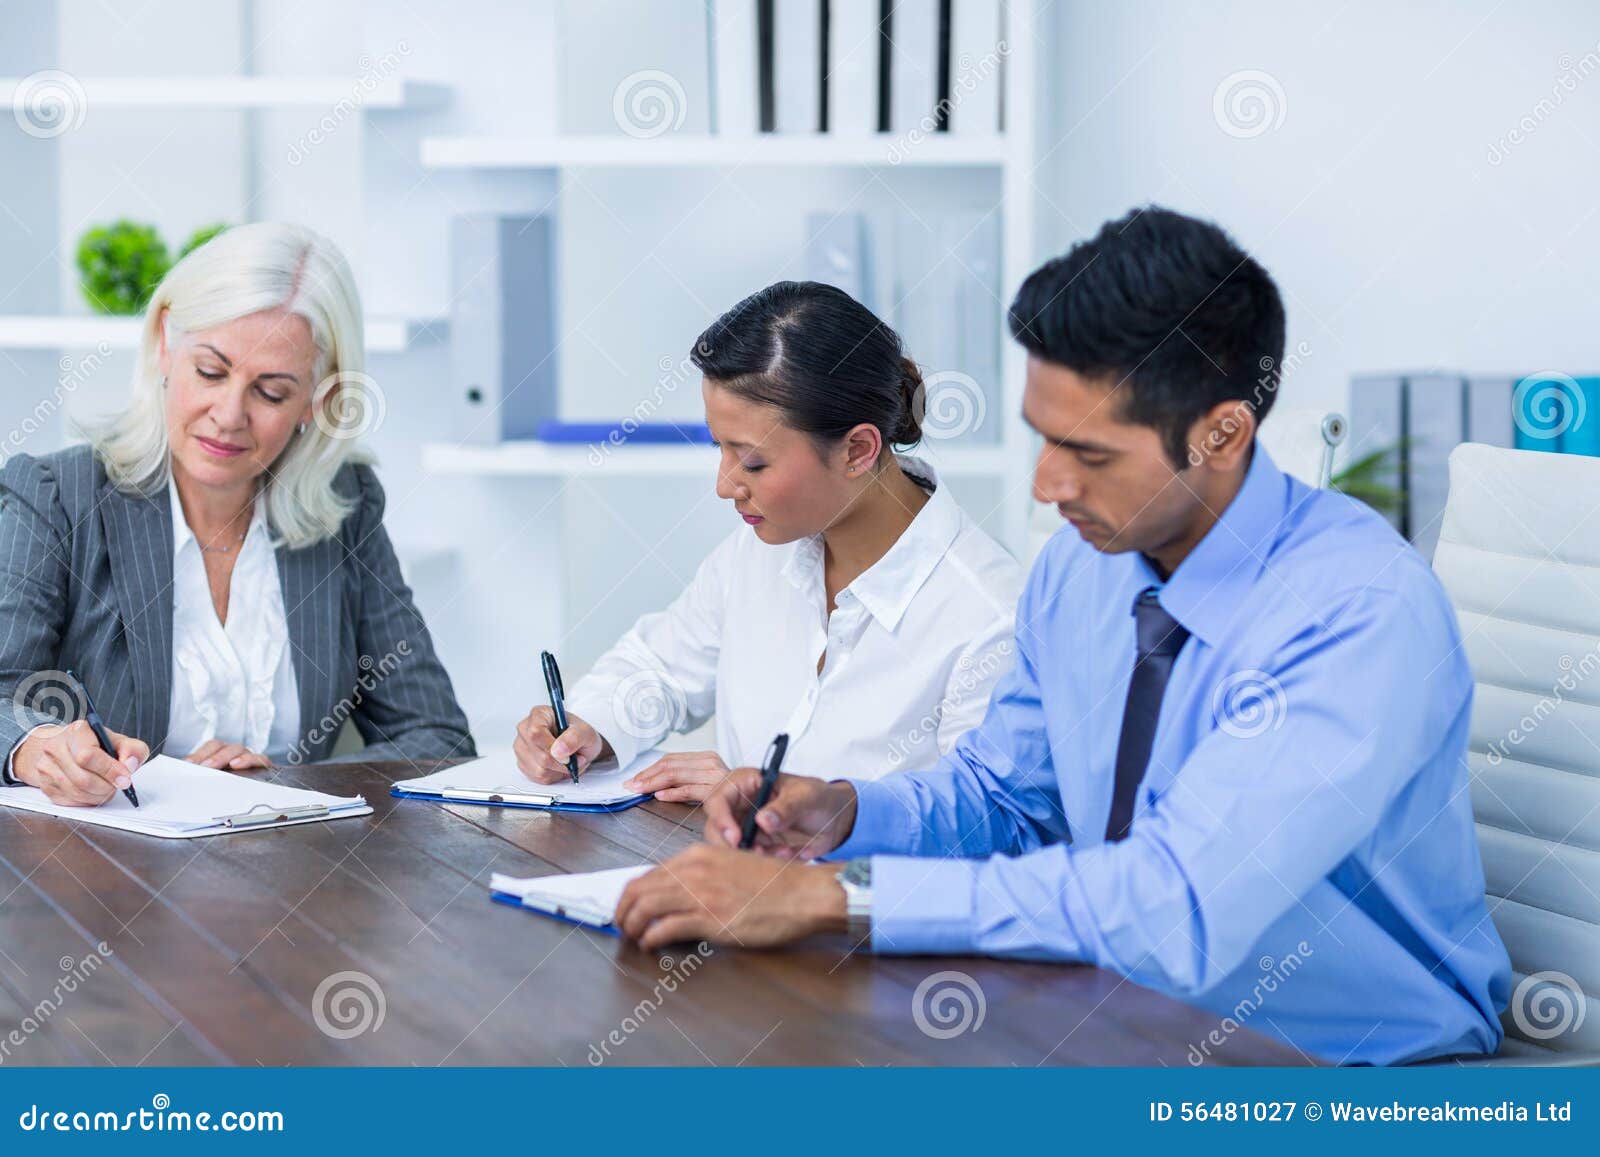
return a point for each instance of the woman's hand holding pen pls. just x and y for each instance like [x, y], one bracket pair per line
[542, 754]
[803, 818]
[68, 765]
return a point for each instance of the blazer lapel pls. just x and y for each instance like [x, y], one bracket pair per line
[138, 532]
[311, 603]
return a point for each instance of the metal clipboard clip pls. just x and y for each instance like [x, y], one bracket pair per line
[496, 796]
[257, 817]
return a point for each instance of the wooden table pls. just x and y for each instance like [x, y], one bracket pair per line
[218, 948]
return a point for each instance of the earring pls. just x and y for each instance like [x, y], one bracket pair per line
[300, 429]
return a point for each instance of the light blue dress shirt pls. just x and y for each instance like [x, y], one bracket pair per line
[1302, 859]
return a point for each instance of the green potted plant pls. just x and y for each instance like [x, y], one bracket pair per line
[1366, 478]
[120, 265]
[200, 236]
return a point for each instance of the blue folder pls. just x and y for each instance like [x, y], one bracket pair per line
[502, 801]
[625, 430]
[515, 902]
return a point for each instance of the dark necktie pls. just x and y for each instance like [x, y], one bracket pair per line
[1160, 638]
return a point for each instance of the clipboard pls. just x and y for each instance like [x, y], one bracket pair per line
[587, 899]
[494, 780]
[183, 801]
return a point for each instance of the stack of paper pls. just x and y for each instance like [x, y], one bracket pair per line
[179, 801]
[588, 898]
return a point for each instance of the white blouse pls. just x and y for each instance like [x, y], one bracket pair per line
[236, 682]
[913, 649]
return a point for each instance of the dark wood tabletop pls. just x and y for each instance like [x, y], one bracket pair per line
[373, 941]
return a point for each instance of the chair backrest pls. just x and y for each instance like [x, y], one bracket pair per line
[1519, 554]
[1301, 442]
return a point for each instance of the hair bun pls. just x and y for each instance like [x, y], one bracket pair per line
[909, 430]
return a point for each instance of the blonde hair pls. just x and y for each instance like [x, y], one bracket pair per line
[244, 270]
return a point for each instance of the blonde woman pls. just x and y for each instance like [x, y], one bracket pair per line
[213, 565]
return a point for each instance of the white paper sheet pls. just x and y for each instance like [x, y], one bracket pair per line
[587, 897]
[496, 773]
[178, 800]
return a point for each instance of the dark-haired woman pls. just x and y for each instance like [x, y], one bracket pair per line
[858, 608]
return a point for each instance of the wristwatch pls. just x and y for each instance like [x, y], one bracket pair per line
[856, 880]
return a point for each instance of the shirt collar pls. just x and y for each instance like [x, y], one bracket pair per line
[1212, 585]
[182, 535]
[887, 587]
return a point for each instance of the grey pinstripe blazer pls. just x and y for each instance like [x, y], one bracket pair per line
[86, 585]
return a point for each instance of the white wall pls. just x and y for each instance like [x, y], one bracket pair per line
[1375, 204]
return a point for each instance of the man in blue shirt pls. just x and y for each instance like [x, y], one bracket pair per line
[1229, 760]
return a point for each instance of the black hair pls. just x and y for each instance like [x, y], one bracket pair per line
[818, 356]
[1167, 306]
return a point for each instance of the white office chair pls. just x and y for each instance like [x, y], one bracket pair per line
[1519, 554]
[1300, 441]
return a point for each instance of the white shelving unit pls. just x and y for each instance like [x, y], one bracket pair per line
[1011, 154]
[545, 460]
[48, 332]
[687, 151]
[243, 92]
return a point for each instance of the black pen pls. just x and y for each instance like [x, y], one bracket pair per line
[769, 780]
[558, 703]
[99, 729]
